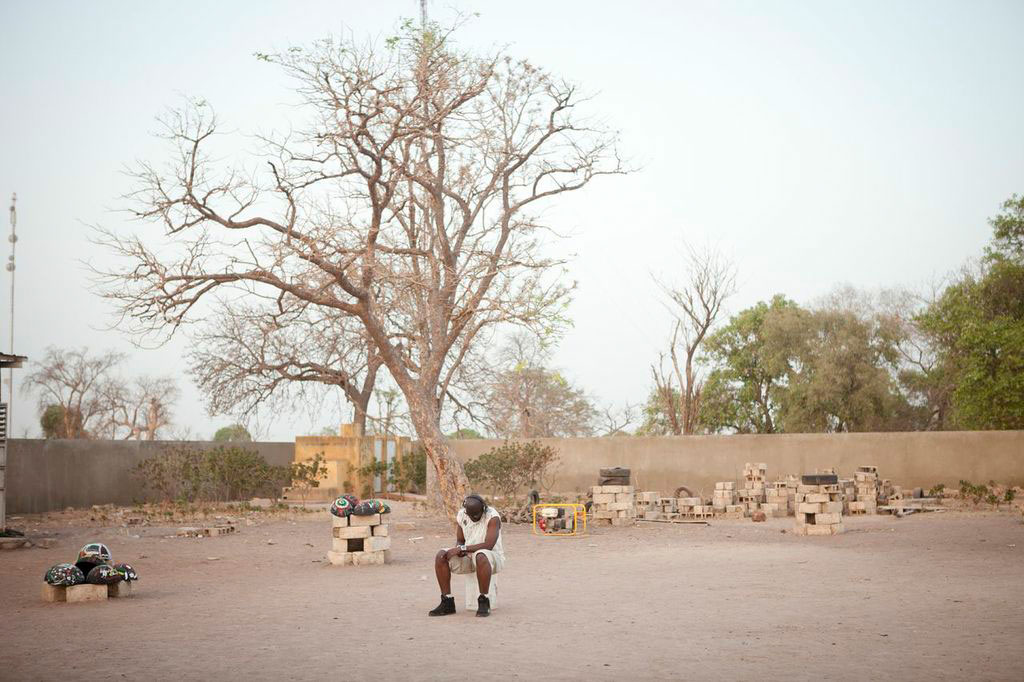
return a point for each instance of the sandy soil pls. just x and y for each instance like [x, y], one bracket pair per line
[927, 597]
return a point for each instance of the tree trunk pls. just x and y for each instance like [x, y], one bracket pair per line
[451, 479]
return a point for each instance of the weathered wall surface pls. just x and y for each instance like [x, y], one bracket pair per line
[47, 475]
[663, 463]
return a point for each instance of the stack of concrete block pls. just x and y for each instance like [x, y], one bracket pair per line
[647, 504]
[819, 510]
[667, 505]
[865, 481]
[724, 496]
[886, 490]
[694, 507]
[614, 505]
[780, 498]
[752, 494]
[849, 490]
[360, 540]
[732, 511]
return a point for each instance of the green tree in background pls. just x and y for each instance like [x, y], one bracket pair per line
[55, 425]
[464, 434]
[846, 378]
[978, 326]
[235, 433]
[752, 355]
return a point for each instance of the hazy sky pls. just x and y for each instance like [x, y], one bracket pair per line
[817, 143]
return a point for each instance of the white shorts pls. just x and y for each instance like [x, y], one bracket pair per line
[467, 564]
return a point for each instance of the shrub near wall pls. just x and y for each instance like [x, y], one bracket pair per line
[184, 474]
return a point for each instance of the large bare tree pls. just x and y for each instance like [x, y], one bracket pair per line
[405, 201]
[250, 356]
[527, 399]
[140, 409]
[696, 304]
[74, 380]
[94, 401]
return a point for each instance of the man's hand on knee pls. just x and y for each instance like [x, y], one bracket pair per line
[452, 553]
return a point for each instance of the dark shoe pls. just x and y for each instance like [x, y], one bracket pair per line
[445, 608]
[483, 606]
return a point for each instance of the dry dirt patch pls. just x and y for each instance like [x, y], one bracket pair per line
[937, 596]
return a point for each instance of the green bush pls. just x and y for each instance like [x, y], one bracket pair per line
[184, 474]
[409, 474]
[307, 475]
[509, 469]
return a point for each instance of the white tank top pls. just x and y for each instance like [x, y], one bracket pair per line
[475, 532]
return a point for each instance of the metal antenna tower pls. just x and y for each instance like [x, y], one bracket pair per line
[10, 268]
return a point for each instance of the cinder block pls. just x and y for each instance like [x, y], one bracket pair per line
[52, 593]
[625, 497]
[810, 508]
[824, 530]
[339, 522]
[627, 521]
[832, 508]
[381, 531]
[368, 558]
[735, 508]
[619, 506]
[371, 520]
[120, 590]
[387, 556]
[340, 558]
[827, 519]
[84, 593]
[816, 497]
[652, 515]
[349, 544]
[350, 532]
[376, 544]
[604, 498]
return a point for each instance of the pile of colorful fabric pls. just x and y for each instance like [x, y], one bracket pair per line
[350, 504]
[94, 566]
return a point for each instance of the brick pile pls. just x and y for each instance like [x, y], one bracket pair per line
[752, 494]
[613, 505]
[866, 484]
[724, 496]
[647, 503]
[819, 509]
[360, 540]
[780, 497]
[694, 507]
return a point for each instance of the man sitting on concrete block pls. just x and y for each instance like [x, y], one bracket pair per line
[478, 550]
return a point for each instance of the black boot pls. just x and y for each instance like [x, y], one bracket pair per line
[445, 608]
[483, 606]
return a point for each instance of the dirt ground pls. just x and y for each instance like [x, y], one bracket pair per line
[927, 597]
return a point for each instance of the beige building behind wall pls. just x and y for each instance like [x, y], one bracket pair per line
[347, 457]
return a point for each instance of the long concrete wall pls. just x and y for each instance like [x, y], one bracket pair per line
[664, 463]
[48, 475]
